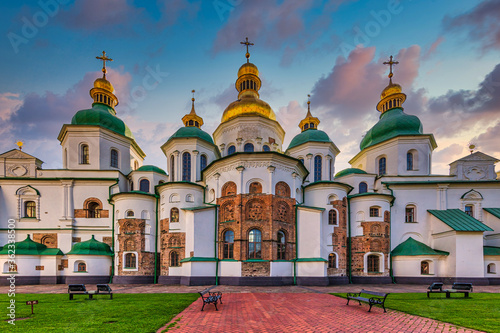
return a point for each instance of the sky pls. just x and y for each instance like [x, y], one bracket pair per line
[448, 53]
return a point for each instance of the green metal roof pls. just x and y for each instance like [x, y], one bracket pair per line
[350, 171]
[91, 247]
[392, 123]
[493, 211]
[412, 247]
[310, 135]
[458, 220]
[151, 168]
[491, 251]
[103, 116]
[192, 132]
[29, 247]
[368, 194]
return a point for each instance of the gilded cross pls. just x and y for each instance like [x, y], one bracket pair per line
[390, 63]
[104, 59]
[247, 43]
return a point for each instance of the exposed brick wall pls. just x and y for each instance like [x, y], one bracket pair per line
[108, 240]
[170, 241]
[339, 239]
[50, 240]
[82, 213]
[267, 213]
[255, 269]
[376, 238]
[131, 237]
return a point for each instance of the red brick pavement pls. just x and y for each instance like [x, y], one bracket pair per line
[298, 312]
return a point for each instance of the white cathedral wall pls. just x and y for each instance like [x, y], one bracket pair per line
[200, 233]
[495, 260]
[309, 231]
[233, 268]
[309, 151]
[96, 265]
[281, 268]
[470, 258]
[360, 211]
[313, 268]
[198, 268]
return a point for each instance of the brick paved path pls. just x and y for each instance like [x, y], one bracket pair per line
[298, 312]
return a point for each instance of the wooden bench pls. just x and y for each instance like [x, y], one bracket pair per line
[436, 287]
[104, 289]
[464, 288]
[380, 300]
[212, 298]
[77, 289]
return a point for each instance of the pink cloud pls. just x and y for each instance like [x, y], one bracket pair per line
[432, 49]
[173, 10]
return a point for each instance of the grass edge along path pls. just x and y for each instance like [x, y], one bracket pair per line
[124, 313]
[481, 311]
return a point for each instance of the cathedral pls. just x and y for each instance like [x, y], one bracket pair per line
[238, 208]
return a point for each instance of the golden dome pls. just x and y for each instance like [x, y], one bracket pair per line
[248, 68]
[392, 88]
[102, 83]
[248, 106]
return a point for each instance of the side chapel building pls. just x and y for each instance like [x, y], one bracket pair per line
[236, 207]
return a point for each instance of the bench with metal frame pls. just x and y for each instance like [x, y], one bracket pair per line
[104, 289]
[464, 288]
[436, 287]
[213, 298]
[77, 289]
[380, 300]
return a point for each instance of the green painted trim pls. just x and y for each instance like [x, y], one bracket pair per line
[349, 187]
[197, 208]
[189, 259]
[155, 279]
[37, 192]
[74, 229]
[230, 260]
[311, 207]
[431, 182]
[472, 190]
[493, 211]
[491, 251]
[133, 192]
[255, 260]
[179, 183]
[112, 231]
[282, 260]
[57, 178]
[369, 194]
[311, 260]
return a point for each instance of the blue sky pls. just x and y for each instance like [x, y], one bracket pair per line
[448, 53]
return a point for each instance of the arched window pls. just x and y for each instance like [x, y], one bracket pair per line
[469, 210]
[363, 187]
[186, 167]
[282, 189]
[491, 269]
[424, 267]
[174, 259]
[266, 148]
[130, 260]
[382, 166]
[82, 267]
[255, 188]
[317, 168]
[114, 158]
[281, 245]
[330, 169]
[12, 267]
[254, 244]
[228, 251]
[144, 185]
[131, 185]
[332, 260]
[30, 209]
[228, 188]
[409, 161]
[174, 215]
[231, 150]
[248, 148]
[172, 168]
[306, 126]
[136, 165]
[93, 211]
[130, 213]
[373, 263]
[84, 154]
[374, 211]
[410, 214]
[332, 217]
[203, 162]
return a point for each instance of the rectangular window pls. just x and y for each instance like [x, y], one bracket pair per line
[373, 264]
[410, 214]
[374, 212]
[469, 210]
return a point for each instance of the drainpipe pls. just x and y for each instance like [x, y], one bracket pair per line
[215, 248]
[349, 238]
[296, 249]
[112, 231]
[390, 232]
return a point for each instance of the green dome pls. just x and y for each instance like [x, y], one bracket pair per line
[192, 132]
[349, 171]
[310, 135]
[29, 247]
[151, 168]
[104, 116]
[392, 123]
[91, 247]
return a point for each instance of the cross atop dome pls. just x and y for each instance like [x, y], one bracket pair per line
[192, 119]
[390, 63]
[104, 58]
[309, 122]
[247, 43]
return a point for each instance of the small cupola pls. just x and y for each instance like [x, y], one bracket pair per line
[103, 91]
[248, 83]
[392, 96]
[309, 122]
[192, 119]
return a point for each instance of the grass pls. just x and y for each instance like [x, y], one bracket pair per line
[124, 313]
[481, 311]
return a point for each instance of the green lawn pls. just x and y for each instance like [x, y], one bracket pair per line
[480, 311]
[124, 313]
